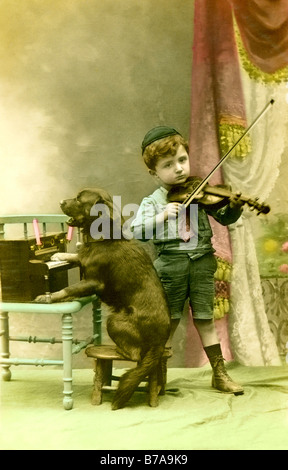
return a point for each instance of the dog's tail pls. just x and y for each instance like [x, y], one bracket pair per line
[131, 379]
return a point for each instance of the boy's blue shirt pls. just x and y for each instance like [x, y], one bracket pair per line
[169, 241]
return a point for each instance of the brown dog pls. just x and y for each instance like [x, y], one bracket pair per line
[122, 274]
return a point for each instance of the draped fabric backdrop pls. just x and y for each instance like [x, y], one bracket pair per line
[240, 58]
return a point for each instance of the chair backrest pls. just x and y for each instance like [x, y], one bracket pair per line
[27, 220]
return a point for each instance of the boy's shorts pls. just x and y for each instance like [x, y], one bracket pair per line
[183, 278]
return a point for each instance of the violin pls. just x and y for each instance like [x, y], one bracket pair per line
[212, 197]
[196, 189]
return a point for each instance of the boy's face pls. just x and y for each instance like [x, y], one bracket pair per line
[172, 170]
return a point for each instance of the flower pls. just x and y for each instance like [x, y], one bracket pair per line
[270, 245]
[283, 268]
[285, 247]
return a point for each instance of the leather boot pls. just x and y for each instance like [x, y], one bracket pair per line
[220, 378]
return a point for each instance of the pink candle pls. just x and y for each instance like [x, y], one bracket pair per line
[36, 232]
[70, 233]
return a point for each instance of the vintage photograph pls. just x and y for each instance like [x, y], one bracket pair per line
[144, 227]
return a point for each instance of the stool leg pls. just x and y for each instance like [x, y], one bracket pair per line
[4, 344]
[107, 372]
[162, 375]
[103, 370]
[153, 388]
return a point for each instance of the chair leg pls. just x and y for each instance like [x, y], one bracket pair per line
[67, 338]
[4, 344]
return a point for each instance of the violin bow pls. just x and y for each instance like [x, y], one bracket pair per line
[199, 188]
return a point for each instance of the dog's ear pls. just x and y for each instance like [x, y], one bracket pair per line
[104, 198]
[94, 201]
[112, 211]
[89, 205]
[98, 203]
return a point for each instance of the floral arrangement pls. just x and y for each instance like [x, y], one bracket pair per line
[272, 247]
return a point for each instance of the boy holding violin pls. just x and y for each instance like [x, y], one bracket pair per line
[186, 263]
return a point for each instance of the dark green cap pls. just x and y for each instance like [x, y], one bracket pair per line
[157, 133]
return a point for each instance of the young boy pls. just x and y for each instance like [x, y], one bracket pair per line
[186, 267]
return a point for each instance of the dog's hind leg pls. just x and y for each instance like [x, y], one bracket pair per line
[131, 379]
[125, 335]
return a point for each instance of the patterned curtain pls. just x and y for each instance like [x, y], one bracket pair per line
[240, 58]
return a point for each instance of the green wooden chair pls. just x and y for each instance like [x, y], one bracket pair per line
[66, 310]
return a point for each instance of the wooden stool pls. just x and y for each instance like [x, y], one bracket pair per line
[104, 356]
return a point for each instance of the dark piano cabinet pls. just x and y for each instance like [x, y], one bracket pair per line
[26, 270]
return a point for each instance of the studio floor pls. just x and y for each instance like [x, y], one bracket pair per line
[191, 416]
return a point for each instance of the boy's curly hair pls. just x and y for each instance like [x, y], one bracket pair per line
[162, 148]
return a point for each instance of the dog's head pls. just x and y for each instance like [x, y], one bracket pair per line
[90, 204]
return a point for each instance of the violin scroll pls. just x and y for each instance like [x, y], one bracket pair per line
[260, 207]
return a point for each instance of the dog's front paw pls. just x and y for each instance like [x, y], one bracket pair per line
[59, 257]
[68, 257]
[43, 299]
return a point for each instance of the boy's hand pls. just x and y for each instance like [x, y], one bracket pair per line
[236, 202]
[172, 210]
